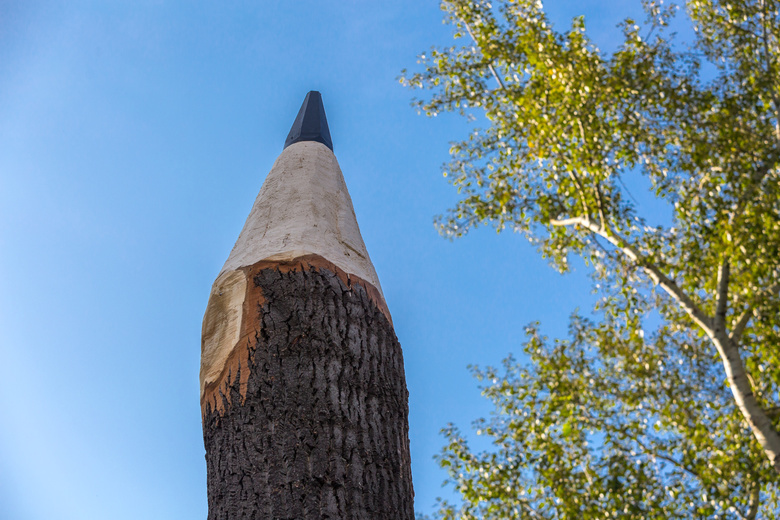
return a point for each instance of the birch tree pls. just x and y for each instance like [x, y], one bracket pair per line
[663, 402]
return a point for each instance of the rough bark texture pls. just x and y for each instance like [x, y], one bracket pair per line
[321, 429]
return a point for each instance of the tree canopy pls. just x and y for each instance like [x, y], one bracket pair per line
[663, 401]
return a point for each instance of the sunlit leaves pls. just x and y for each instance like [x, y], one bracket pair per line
[607, 425]
[564, 128]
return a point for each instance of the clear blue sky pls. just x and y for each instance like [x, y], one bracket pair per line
[134, 137]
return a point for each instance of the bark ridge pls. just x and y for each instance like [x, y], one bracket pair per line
[321, 431]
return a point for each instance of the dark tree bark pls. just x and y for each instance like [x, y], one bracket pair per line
[319, 428]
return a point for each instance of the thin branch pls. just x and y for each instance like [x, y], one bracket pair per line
[526, 506]
[755, 180]
[598, 244]
[744, 319]
[627, 190]
[753, 502]
[599, 202]
[669, 459]
[490, 65]
[653, 453]
[751, 381]
[695, 474]
[655, 274]
[719, 322]
[770, 69]
[580, 191]
[736, 375]
[746, 32]
[567, 221]
[739, 328]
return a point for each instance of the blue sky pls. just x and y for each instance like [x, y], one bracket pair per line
[134, 137]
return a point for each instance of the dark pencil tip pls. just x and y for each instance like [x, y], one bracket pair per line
[311, 124]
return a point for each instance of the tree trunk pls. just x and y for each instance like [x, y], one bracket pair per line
[318, 428]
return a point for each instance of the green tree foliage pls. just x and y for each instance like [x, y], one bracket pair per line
[662, 403]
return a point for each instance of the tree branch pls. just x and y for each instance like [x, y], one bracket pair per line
[655, 274]
[597, 190]
[650, 452]
[719, 321]
[753, 502]
[600, 204]
[755, 180]
[667, 458]
[527, 507]
[736, 375]
[490, 65]
[757, 418]
[580, 191]
[744, 319]
[770, 65]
